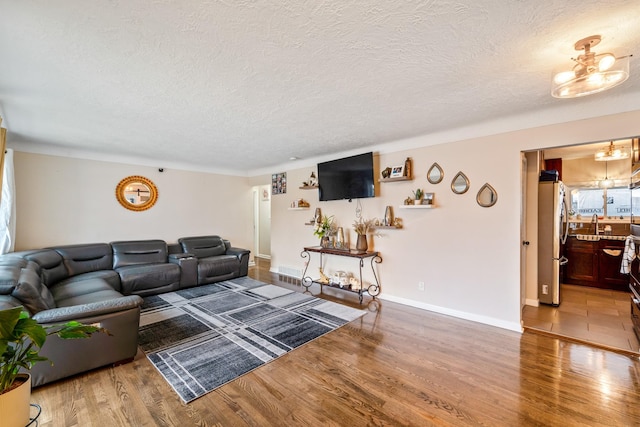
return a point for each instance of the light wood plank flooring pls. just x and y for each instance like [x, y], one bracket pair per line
[395, 366]
[598, 316]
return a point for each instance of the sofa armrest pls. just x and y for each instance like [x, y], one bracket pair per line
[76, 312]
[238, 252]
[188, 268]
[243, 256]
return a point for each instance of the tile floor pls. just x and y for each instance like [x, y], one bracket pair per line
[598, 316]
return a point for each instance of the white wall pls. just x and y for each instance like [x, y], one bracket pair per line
[64, 200]
[468, 256]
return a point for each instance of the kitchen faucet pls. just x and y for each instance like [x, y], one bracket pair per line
[594, 220]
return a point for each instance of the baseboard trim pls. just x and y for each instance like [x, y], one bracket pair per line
[491, 321]
[532, 302]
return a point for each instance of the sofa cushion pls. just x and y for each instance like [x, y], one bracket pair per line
[138, 279]
[65, 290]
[210, 269]
[138, 252]
[67, 294]
[32, 293]
[203, 246]
[106, 294]
[109, 276]
[52, 268]
[86, 257]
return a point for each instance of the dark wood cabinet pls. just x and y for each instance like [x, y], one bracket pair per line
[583, 261]
[610, 258]
[595, 263]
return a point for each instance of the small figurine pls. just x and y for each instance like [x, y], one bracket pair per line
[354, 283]
[323, 278]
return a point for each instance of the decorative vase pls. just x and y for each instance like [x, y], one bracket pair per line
[388, 216]
[14, 404]
[340, 238]
[361, 244]
[407, 167]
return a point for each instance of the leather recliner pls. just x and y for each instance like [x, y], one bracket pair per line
[217, 259]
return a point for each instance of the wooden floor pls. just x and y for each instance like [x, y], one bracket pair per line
[395, 366]
[598, 316]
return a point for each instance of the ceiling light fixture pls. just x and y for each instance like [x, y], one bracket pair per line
[606, 182]
[611, 153]
[592, 73]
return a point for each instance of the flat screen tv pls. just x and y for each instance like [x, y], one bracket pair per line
[347, 178]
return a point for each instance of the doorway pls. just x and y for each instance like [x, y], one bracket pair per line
[586, 313]
[262, 221]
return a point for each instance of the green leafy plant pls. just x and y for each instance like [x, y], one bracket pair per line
[417, 194]
[326, 227]
[21, 339]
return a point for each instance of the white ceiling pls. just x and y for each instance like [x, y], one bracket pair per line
[242, 86]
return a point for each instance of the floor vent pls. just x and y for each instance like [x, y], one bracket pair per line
[289, 275]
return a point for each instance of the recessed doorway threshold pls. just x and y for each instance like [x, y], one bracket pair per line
[598, 317]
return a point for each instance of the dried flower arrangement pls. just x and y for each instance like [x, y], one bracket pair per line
[362, 226]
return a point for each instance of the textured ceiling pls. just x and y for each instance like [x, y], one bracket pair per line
[242, 86]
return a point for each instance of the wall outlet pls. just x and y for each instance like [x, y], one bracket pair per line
[421, 286]
[545, 289]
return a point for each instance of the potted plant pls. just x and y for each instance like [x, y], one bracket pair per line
[324, 229]
[417, 196]
[21, 339]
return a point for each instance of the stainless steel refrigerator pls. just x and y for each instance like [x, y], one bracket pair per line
[552, 233]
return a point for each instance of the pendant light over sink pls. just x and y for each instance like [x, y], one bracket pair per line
[606, 182]
[592, 73]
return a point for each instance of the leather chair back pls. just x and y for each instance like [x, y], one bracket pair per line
[85, 258]
[139, 252]
[203, 246]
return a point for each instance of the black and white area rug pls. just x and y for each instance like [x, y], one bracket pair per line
[201, 338]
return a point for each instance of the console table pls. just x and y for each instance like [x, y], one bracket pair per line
[374, 257]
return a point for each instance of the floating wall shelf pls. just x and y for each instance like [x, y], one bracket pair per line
[400, 178]
[416, 207]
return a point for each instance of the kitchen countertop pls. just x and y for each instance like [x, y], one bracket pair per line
[595, 238]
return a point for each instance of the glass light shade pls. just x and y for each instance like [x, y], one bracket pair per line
[611, 153]
[564, 76]
[606, 183]
[593, 82]
[606, 61]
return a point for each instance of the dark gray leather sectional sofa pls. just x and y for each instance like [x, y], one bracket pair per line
[103, 283]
